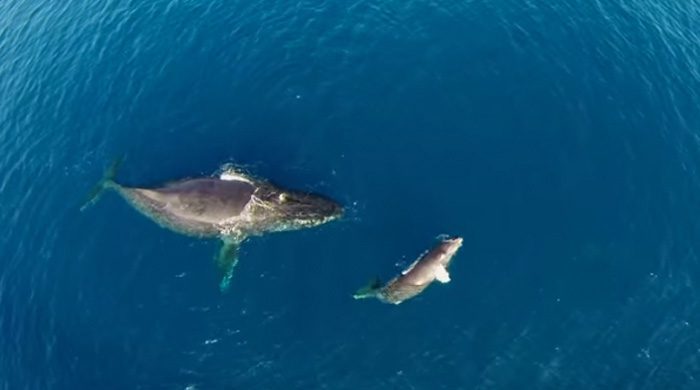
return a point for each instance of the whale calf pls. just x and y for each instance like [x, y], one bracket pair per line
[231, 207]
[430, 266]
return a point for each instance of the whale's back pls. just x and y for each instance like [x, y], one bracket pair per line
[196, 206]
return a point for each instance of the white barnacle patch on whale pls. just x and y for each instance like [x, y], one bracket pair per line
[231, 230]
[231, 227]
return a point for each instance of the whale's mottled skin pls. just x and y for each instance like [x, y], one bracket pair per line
[430, 266]
[232, 207]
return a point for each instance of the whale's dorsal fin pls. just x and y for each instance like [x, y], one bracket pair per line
[227, 260]
[442, 275]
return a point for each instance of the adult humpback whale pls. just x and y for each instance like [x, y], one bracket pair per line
[430, 266]
[231, 207]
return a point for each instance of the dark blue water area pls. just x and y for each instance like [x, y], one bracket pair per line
[560, 139]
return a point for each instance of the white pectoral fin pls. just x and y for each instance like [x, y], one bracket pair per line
[227, 261]
[442, 275]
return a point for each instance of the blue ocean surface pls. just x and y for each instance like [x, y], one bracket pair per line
[561, 139]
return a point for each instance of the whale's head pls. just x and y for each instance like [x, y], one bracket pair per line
[291, 210]
[449, 246]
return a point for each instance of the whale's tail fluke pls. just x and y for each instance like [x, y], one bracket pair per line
[369, 291]
[106, 182]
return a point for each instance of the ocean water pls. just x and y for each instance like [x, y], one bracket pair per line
[561, 139]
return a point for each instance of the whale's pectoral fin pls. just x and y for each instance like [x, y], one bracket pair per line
[442, 275]
[227, 260]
